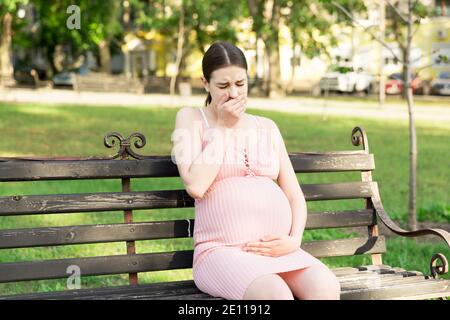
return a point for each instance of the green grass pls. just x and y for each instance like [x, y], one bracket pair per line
[47, 130]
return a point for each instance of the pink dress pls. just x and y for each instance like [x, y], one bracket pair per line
[243, 204]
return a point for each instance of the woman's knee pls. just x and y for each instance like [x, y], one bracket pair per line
[330, 286]
[316, 283]
[268, 287]
[333, 287]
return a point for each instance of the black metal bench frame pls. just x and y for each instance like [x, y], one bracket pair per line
[376, 281]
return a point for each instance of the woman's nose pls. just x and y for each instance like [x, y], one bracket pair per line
[233, 92]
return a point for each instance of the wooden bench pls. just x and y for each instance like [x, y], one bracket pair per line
[103, 82]
[375, 281]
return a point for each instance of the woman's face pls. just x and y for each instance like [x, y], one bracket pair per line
[231, 79]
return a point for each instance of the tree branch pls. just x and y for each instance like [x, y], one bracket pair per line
[428, 55]
[397, 11]
[384, 44]
[414, 32]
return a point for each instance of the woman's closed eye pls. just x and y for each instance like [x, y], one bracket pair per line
[226, 86]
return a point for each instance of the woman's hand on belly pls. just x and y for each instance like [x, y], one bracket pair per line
[273, 245]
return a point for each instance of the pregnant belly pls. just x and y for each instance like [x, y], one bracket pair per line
[242, 209]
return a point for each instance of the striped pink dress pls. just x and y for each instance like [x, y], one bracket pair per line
[243, 204]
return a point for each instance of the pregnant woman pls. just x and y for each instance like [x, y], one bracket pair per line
[250, 211]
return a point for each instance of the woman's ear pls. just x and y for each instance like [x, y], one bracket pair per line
[205, 83]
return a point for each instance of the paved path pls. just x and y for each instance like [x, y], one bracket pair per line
[437, 113]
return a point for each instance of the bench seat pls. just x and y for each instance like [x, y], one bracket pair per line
[365, 283]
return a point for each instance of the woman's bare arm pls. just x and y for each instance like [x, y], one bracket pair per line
[198, 168]
[288, 182]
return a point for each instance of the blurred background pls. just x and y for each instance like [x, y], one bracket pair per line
[293, 47]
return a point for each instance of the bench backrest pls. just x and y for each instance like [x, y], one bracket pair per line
[127, 165]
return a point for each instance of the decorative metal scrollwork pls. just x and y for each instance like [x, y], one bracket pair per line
[440, 269]
[361, 138]
[125, 144]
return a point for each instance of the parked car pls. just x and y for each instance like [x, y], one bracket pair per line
[346, 79]
[441, 85]
[394, 84]
[67, 77]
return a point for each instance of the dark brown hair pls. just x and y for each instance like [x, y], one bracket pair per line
[221, 54]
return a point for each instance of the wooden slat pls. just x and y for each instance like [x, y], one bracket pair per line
[374, 278]
[160, 166]
[29, 170]
[186, 289]
[159, 288]
[341, 219]
[378, 282]
[337, 191]
[331, 162]
[94, 202]
[35, 237]
[345, 247]
[423, 288]
[119, 264]
[342, 271]
[118, 201]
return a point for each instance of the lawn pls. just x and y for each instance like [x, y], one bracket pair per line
[47, 130]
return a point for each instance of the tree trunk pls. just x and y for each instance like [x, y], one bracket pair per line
[273, 53]
[405, 54]
[6, 67]
[105, 56]
[258, 84]
[412, 215]
[382, 83]
[180, 44]
[49, 54]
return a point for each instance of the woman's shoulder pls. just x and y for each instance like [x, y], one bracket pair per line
[188, 114]
[267, 122]
[187, 111]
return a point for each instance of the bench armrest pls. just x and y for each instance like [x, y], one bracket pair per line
[391, 225]
[438, 263]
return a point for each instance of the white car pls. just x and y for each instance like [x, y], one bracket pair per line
[441, 85]
[346, 79]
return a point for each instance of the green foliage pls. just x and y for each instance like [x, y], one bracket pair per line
[11, 6]
[304, 18]
[207, 20]
[98, 21]
[395, 26]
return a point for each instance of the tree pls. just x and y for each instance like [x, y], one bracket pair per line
[396, 26]
[188, 25]
[306, 20]
[414, 12]
[303, 17]
[8, 10]
[266, 23]
[98, 23]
